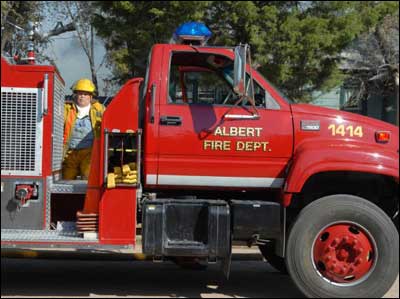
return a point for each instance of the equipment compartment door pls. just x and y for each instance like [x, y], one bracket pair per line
[198, 147]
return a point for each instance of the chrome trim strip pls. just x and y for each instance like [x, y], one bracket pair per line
[151, 179]
[215, 181]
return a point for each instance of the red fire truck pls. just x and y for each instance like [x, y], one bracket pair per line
[201, 154]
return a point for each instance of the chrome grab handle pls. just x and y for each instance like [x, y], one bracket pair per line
[237, 116]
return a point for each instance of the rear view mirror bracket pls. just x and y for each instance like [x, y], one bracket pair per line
[239, 70]
[242, 55]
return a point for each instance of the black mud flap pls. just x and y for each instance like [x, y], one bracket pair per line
[187, 228]
[226, 262]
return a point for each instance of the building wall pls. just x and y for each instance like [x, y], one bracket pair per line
[379, 106]
[330, 99]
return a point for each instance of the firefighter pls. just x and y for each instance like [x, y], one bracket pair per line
[82, 120]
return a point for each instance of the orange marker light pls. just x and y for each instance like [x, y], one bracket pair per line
[382, 137]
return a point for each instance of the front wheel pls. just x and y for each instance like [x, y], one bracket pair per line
[343, 246]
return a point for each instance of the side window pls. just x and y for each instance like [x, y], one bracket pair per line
[197, 78]
[174, 86]
[197, 85]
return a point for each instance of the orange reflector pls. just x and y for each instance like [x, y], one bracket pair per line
[382, 137]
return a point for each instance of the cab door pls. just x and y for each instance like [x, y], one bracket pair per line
[199, 147]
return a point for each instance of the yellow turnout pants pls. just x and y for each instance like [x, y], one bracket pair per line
[77, 162]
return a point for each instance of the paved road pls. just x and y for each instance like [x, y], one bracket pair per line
[139, 279]
[55, 278]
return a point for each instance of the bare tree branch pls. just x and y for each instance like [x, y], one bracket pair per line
[60, 29]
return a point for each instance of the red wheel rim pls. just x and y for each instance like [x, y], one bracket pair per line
[344, 253]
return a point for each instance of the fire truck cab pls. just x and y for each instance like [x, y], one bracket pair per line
[201, 154]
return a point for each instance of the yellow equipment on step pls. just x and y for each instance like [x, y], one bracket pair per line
[126, 175]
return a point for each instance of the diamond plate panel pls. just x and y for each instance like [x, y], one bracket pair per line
[40, 235]
[69, 187]
[58, 123]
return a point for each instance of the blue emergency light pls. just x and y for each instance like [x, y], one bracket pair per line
[192, 33]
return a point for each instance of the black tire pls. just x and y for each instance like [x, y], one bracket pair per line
[350, 209]
[277, 262]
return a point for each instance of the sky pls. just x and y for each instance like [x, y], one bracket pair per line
[72, 61]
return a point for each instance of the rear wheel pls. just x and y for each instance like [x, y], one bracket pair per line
[343, 246]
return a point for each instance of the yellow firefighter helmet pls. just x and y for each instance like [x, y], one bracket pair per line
[84, 85]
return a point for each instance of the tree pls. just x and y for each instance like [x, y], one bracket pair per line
[15, 18]
[388, 72]
[296, 43]
[130, 28]
[374, 59]
[18, 18]
[78, 16]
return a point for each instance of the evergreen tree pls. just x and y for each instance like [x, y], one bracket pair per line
[297, 44]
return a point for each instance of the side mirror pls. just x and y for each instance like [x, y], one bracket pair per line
[239, 70]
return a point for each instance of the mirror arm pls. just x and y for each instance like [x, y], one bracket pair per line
[251, 98]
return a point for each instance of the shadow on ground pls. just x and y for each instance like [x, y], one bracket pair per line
[33, 277]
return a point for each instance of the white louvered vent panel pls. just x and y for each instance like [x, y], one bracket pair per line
[58, 123]
[21, 131]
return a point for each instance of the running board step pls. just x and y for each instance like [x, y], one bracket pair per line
[69, 187]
